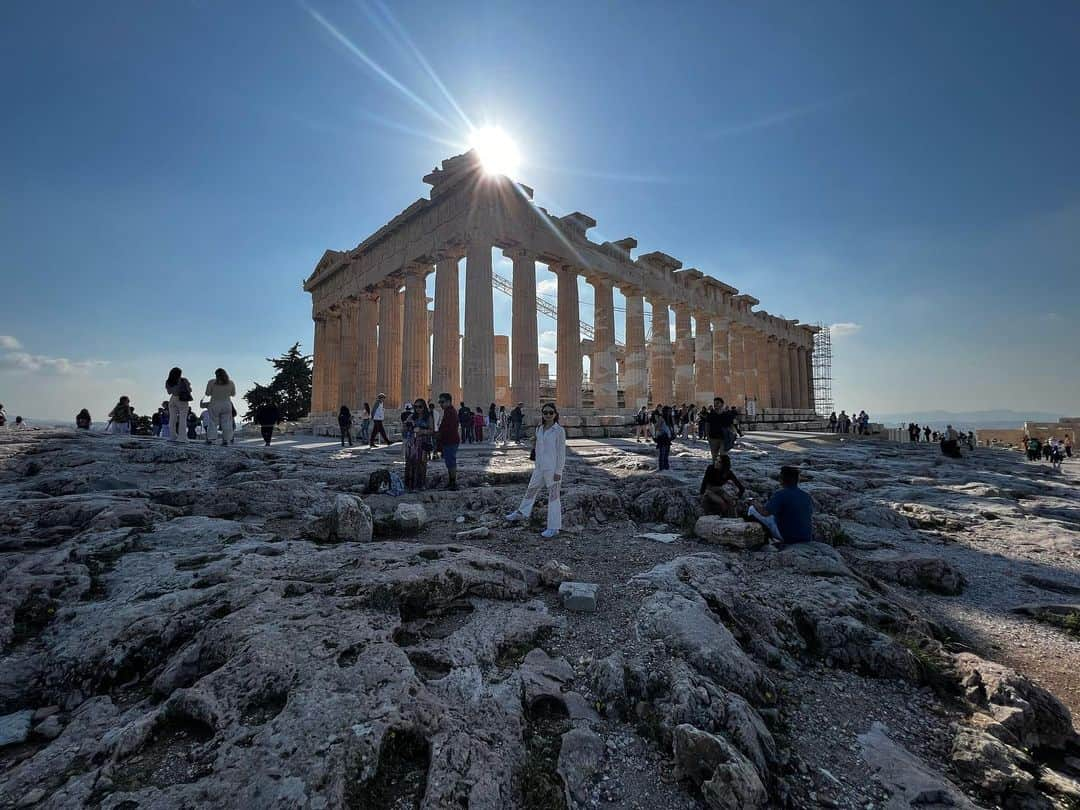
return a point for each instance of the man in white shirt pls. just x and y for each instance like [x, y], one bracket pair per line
[377, 417]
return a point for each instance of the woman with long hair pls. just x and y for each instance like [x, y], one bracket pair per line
[120, 417]
[344, 420]
[418, 434]
[179, 390]
[365, 423]
[221, 390]
[550, 455]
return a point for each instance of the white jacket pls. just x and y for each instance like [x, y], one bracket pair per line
[220, 392]
[551, 449]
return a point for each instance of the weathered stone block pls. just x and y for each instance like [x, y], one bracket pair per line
[579, 596]
[410, 517]
[729, 532]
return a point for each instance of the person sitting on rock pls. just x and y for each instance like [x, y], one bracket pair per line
[788, 514]
[715, 499]
[82, 419]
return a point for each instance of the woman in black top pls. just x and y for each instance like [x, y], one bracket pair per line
[715, 500]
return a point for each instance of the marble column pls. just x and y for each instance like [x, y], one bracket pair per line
[478, 366]
[703, 360]
[446, 328]
[776, 387]
[660, 357]
[502, 370]
[635, 383]
[367, 340]
[785, 374]
[761, 341]
[750, 367]
[738, 365]
[810, 398]
[800, 366]
[415, 366]
[388, 376]
[333, 356]
[721, 328]
[350, 353]
[793, 363]
[684, 356]
[318, 368]
[605, 384]
[525, 357]
[568, 339]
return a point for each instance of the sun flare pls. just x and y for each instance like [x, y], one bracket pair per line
[497, 150]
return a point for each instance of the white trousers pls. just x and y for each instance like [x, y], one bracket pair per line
[541, 479]
[220, 416]
[178, 420]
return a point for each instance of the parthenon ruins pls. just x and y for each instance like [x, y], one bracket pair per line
[374, 333]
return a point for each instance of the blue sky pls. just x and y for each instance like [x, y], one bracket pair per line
[172, 171]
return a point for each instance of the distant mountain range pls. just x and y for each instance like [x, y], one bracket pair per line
[967, 419]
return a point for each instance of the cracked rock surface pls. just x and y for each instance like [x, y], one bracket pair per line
[191, 626]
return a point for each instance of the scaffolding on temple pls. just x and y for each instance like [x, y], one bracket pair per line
[823, 401]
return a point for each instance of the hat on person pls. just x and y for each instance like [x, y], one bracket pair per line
[381, 396]
[408, 407]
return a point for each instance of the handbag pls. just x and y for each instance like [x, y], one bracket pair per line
[532, 454]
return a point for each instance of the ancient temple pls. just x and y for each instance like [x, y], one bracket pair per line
[374, 332]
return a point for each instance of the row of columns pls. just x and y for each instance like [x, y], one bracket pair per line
[378, 342]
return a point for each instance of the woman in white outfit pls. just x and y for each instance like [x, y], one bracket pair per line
[179, 390]
[221, 390]
[550, 450]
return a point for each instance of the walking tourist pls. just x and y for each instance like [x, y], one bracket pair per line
[703, 422]
[1068, 446]
[550, 454]
[178, 388]
[418, 444]
[926, 433]
[155, 422]
[502, 427]
[641, 422]
[788, 514]
[492, 418]
[715, 499]
[517, 420]
[465, 422]
[344, 420]
[449, 439]
[365, 424]
[163, 419]
[267, 416]
[221, 390]
[377, 416]
[82, 419]
[950, 443]
[663, 437]
[120, 417]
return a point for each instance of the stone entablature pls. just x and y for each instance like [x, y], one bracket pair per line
[468, 213]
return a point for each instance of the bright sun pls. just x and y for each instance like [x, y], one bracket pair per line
[498, 153]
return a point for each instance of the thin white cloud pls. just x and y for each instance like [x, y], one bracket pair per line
[784, 116]
[547, 339]
[549, 286]
[844, 329]
[13, 358]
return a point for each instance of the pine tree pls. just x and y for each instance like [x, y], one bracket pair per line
[290, 388]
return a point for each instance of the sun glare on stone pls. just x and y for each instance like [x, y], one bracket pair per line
[498, 153]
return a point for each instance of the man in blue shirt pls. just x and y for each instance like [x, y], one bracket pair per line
[788, 513]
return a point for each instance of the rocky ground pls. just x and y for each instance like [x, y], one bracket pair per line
[192, 626]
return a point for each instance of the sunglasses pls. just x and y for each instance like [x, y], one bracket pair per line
[548, 413]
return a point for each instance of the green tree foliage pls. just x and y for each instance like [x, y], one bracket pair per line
[290, 388]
